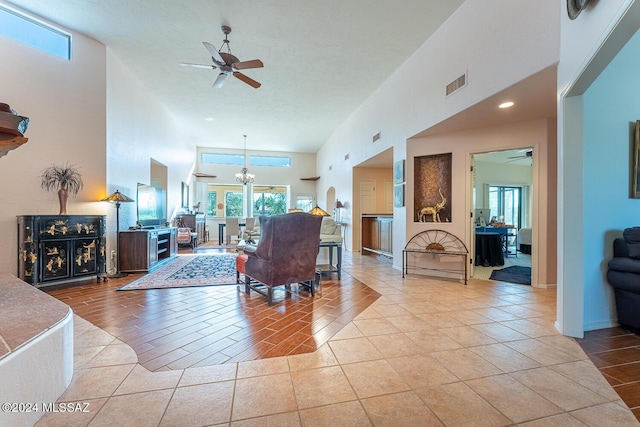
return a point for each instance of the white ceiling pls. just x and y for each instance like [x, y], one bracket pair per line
[322, 58]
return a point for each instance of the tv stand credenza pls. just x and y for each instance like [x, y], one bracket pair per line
[144, 250]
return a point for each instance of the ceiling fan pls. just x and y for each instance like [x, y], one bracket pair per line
[526, 154]
[227, 63]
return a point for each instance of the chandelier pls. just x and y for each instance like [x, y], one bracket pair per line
[244, 176]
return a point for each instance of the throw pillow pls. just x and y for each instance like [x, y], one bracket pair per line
[632, 237]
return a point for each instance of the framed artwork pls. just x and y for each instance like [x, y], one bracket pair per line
[398, 172]
[398, 196]
[185, 196]
[635, 177]
[432, 188]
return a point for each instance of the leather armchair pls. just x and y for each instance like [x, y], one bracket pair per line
[286, 253]
[624, 276]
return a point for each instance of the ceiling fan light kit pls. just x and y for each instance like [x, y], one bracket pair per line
[227, 63]
[574, 7]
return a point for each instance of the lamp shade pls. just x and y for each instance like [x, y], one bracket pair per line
[318, 211]
[117, 197]
[339, 204]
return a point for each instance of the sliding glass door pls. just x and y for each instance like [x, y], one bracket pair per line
[506, 203]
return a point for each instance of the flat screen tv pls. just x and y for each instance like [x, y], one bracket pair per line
[152, 206]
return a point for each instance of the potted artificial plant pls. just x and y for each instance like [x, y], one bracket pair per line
[66, 179]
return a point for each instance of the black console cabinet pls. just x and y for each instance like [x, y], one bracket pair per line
[54, 249]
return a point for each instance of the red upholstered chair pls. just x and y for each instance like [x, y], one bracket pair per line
[184, 236]
[286, 253]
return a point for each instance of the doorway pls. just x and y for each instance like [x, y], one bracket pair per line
[502, 202]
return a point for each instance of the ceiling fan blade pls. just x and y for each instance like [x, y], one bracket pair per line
[186, 64]
[214, 53]
[247, 80]
[245, 65]
[220, 80]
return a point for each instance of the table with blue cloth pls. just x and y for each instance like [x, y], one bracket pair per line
[489, 249]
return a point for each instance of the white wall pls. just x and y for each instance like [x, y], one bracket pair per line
[140, 129]
[413, 98]
[90, 112]
[66, 103]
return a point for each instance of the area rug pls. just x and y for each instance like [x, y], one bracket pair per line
[189, 270]
[513, 274]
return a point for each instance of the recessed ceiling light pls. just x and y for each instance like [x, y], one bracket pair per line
[506, 104]
[209, 119]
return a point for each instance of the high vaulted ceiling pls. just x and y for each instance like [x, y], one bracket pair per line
[322, 58]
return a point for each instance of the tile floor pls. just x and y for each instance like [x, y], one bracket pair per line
[616, 352]
[428, 352]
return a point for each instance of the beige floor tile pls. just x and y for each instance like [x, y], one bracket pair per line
[467, 336]
[199, 405]
[322, 386]
[587, 375]
[370, 327]
[208, 374]
[354, 350]
[458, 405]
[93, 383]
[140, 379]
[374, 378]
[514, 400]
[320, 358]
[566, 344]
[563, 420]
[73, 419]
[541, 353]
[496, 314]
[266, 395]
[140, 410]
[289, 419]
[558, 389]
[348, 414]
[608, 414]
[408, 323]
[82, 355]
[469, 317]
[256, 368]
[113, 354]
[440, 320]
[92, 337]
[389, 310]
[394, 345]
[465, 364]
[420, 371]
[505, 358]
[499, 332]
[349, 331]
[432, 340]
[400, 409]
[529, 328]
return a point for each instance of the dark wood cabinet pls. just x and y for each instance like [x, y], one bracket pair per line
[197, 223]
[377, 236]
[144, 250]
[54, 249]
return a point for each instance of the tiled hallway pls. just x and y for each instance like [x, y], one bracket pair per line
[427, 352]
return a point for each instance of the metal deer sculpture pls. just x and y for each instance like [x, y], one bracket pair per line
[433, 211]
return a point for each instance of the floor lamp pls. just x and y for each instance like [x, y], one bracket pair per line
[118, 198]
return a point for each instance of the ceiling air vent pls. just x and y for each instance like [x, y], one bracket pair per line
[331, 167]
[376, 137]
[457, 84]
[346, 156]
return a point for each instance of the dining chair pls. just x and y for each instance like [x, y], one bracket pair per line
[232, 229]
